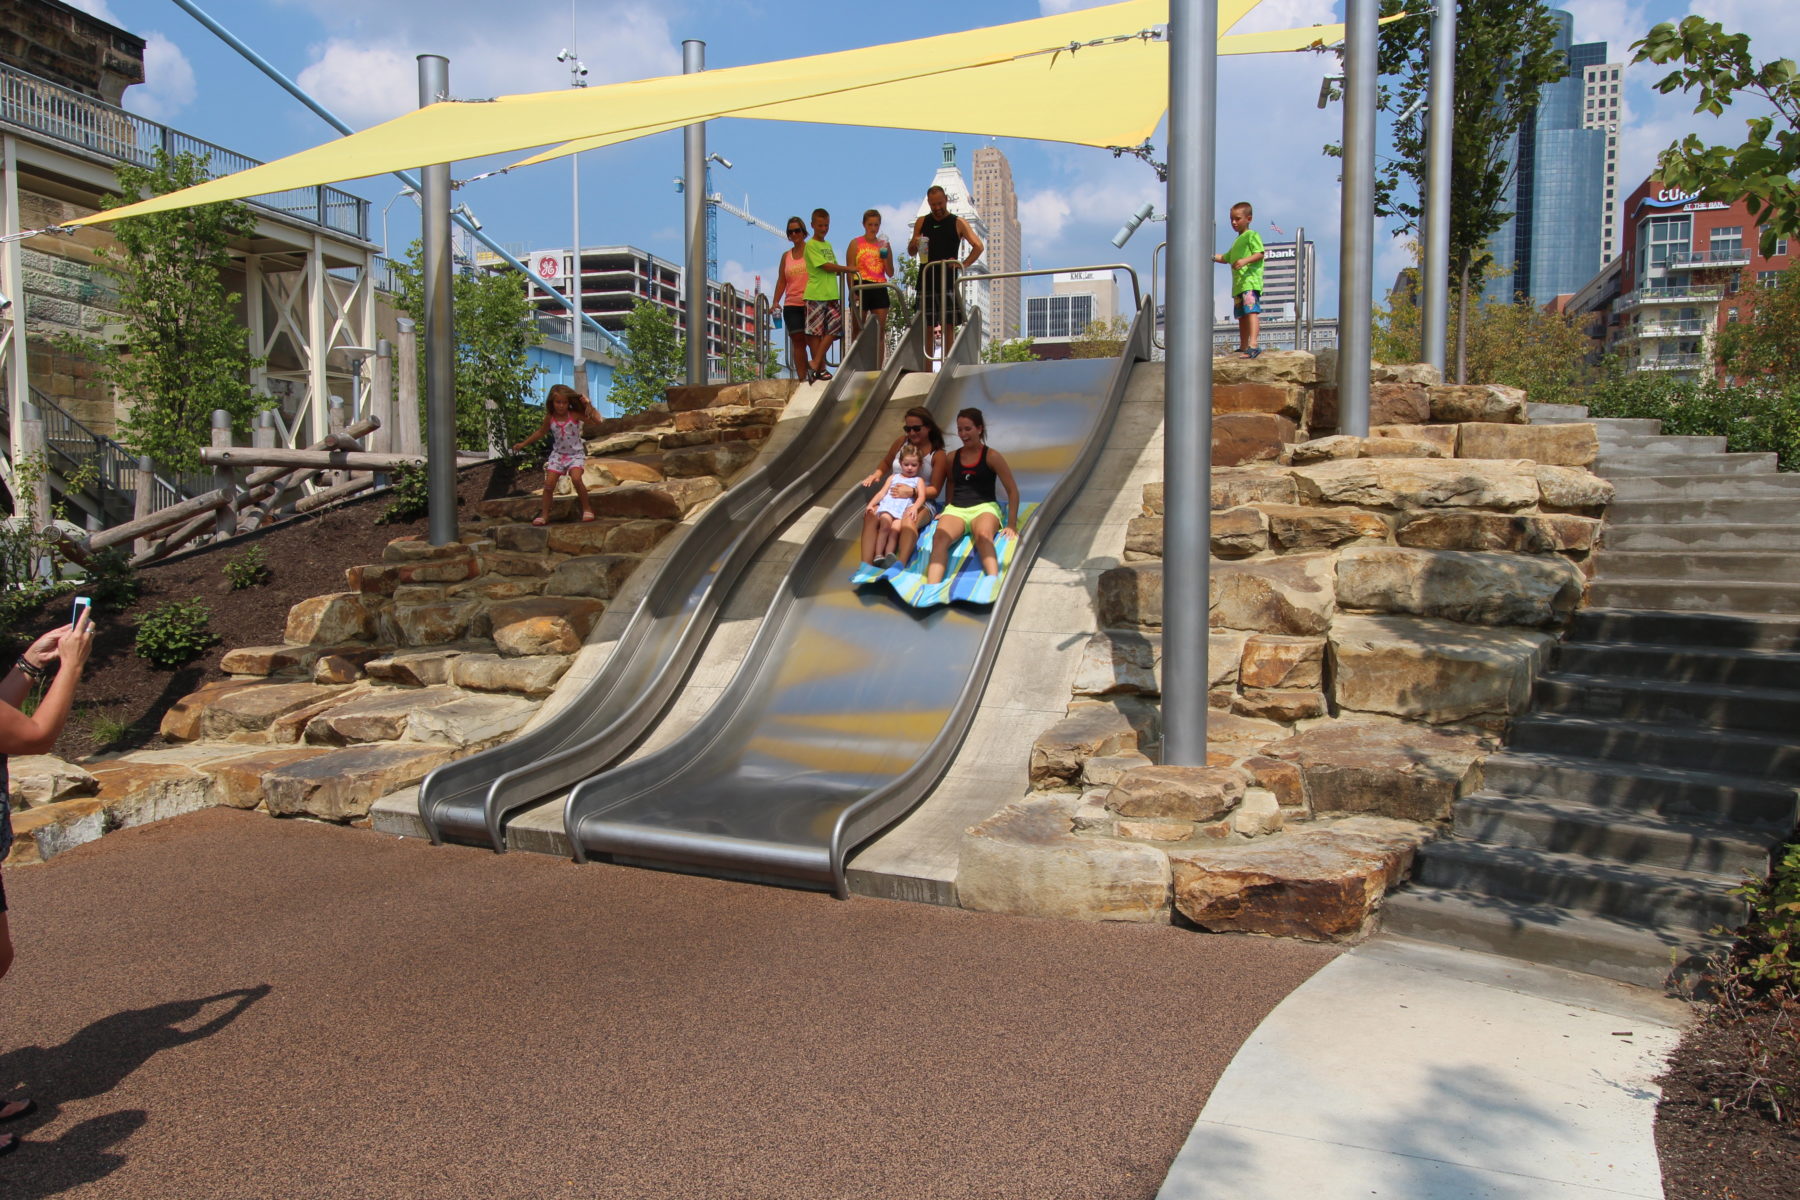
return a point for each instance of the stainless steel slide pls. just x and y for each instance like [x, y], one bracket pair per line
[850, 705]
[469, 800]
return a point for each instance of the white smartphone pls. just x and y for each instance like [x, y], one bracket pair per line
[82, 604]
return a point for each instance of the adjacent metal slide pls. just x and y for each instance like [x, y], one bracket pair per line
[469, 800]
[850, 705]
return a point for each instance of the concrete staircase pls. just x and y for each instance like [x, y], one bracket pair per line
[1660, 761]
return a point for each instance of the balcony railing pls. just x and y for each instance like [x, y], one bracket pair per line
[1668, 295]
[68, 116]
[1697, 259]
[1661, 329]
[1671, 362]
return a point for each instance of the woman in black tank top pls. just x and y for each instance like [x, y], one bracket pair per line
[970, 499]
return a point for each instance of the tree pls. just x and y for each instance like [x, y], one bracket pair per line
[658, 358]
[1762, 168]
[1519, 345]
[495, 380]
[1011, 350]
[1764, 343]
[1505, 53]
[1101, 339]
[184, 351]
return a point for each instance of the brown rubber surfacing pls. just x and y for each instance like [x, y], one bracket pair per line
[410, 1020]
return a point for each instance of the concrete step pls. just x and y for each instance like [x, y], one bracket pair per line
[1758, 710]
[1631, 839]
[1783, 487]
[1534, 933]
[1661, 443]
[1645, 744]
[1555, 414]
[1766, 566]
[1744, 806]
[1682, 664]
[1605, 427]
[1702, 537]
[1653, 897]
[1726, 510]
[1702, 630]
[1631, 464]
[1697, 595]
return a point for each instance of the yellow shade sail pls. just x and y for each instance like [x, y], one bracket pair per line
[1101, 96]
[1085, 77]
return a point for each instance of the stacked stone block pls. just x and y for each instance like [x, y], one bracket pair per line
[1379, 608]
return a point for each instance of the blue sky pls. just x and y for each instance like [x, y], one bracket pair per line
[357, 57]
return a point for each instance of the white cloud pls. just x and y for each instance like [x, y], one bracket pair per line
[168, 85]
[362, 84]
[368, 72]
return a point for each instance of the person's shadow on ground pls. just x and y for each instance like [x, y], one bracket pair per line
[92, 1063]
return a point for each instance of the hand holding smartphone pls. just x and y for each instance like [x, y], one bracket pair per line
[83, 604]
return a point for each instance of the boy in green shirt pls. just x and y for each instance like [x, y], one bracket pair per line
[1245, 258]
[824, 315]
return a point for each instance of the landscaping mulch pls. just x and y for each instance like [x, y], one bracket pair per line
[1730, 1152]
[123, 698]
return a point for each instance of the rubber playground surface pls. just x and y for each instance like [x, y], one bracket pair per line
[225, 1005]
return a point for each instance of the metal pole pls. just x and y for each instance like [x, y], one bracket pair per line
[1434, 322]
[1356, 262]
[1187, 446]
[693, 192]
[440, 333]
[1302, 285]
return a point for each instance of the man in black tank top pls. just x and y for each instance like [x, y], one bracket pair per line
[942, 233]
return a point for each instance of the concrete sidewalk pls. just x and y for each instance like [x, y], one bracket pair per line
[1404, 1069]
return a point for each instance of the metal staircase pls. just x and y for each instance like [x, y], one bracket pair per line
[95, 475]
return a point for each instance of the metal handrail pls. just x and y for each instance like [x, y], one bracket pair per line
[43, 106]
[1137, 292]
[115, 466]
[1156, 321]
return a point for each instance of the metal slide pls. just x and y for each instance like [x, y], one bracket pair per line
[469, 800]
[850, 706]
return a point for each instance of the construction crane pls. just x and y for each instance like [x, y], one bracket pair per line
[715, 202]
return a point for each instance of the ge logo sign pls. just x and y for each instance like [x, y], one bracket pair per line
[548, 266]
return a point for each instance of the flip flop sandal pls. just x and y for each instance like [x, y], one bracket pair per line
[586, 517]
[537, 520]
[29, 1107]
[8, 1143]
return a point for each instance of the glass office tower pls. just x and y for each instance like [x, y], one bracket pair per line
[1556, 238]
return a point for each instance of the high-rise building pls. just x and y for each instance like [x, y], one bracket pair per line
[1283, 270]
[998, 205]
[957, 193]
[1077, 299]
[1600, 110]
[1557, 236]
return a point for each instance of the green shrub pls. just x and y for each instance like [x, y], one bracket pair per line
[112, 582]
[1758, 418]
[411, 497]
[175, 633]
[248, 569]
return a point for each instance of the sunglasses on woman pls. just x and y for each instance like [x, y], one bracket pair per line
[793, 229]
[913, 428]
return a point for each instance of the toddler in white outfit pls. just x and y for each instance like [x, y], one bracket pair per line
[901, 492]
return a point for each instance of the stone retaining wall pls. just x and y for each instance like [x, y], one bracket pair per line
[1379, 608]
